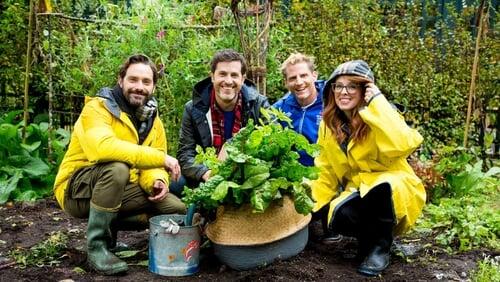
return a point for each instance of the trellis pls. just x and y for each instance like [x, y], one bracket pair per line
[67, 115]
[253, 19]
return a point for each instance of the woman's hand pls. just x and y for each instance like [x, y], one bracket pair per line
[371, 91]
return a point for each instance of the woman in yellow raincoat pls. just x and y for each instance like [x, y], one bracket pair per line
[365, 179]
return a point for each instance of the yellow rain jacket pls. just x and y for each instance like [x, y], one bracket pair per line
[380, 158]
[103, 133]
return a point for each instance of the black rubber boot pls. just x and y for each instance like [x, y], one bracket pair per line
[99, 236]
[377, 260]
[378, 225]
[365, 244]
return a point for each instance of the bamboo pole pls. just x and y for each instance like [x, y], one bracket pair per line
[472, 88]
[51, 94]
[28, 70]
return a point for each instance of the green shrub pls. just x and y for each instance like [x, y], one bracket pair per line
[463, 174]
[463, 213]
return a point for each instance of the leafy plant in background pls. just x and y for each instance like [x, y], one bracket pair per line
[463, 213]
[462, 172]
[261, 166]
[487, 270]
[464, 224]
[25, 172]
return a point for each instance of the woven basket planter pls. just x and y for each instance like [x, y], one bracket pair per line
[243, 239]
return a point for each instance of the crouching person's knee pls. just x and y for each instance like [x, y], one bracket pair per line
[117, 174]
[171, 205]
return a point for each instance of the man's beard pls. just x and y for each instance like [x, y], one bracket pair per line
[131, 95]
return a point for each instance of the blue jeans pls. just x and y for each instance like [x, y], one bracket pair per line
[176, 187]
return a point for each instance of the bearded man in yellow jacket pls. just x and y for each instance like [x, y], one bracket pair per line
[115, 171]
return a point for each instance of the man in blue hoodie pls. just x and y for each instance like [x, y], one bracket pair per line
[303, 102]
[304, 105]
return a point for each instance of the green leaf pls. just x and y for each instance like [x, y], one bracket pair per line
[254, 181]
[492, 171]
[7, 186]
[9, 131]
[32, 147]
[26, 196]
[220, 191]
[36, 167]
[127, 254]
[79, 270]
[12, 116]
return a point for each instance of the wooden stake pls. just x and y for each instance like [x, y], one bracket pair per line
[28, 70]
[472, 89]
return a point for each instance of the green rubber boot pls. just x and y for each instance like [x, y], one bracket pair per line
[99, 235]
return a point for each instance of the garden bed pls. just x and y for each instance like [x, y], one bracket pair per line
[24, 225]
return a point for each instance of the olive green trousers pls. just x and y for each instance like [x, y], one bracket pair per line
[105, 187]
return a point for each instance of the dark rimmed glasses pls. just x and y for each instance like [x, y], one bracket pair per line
[350, 88]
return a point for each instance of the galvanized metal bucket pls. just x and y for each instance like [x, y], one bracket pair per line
[173, 254]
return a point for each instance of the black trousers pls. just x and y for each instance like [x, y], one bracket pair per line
[371, 219]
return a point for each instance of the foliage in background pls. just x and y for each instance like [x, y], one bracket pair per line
[25, 172]
[421, 62]
[13, 37]
[429, 74]
[156, 28]
[463, 172]
[487, 270]
[45, 253]
[463, 213]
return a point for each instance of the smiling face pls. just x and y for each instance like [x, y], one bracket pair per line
[227, 80]
[300, 81]
[348, 95]
[137, 84]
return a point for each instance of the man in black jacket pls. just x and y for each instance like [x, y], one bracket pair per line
[221, 105]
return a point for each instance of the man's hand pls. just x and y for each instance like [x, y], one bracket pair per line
[206, 175]
[172, 166]
[160, 191]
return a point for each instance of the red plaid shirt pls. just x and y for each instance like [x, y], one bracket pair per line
[218, 120]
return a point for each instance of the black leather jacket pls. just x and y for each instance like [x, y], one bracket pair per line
[195, 129]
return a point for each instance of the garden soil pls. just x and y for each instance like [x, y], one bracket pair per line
[22, 225]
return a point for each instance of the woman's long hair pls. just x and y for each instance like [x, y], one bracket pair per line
[334, 118]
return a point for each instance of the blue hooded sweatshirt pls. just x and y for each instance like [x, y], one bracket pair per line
[305, 120]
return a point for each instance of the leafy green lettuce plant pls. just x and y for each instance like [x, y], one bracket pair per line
[261, 166]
